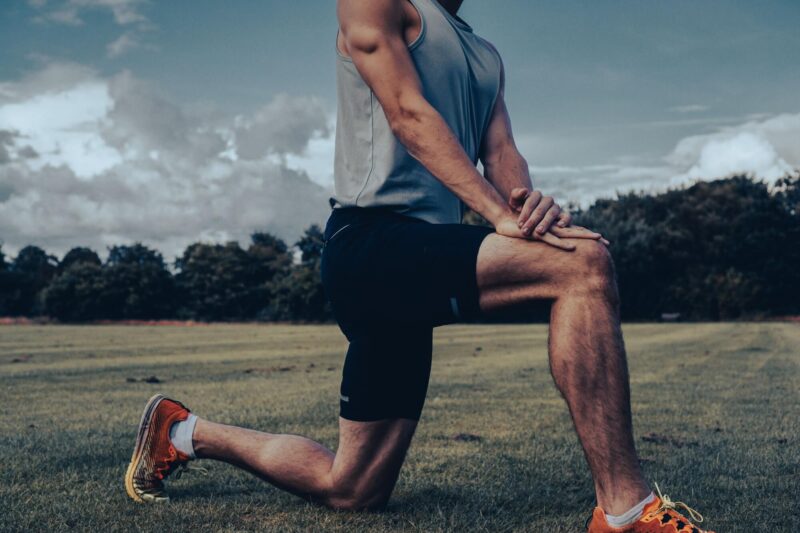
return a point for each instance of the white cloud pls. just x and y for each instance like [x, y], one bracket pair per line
[62, 127]
[283, 126]
[53, 77]
[90, 160]
[69, 11]
[125, 13]
[767, 148]
[126, 42]
[764, 147]
[317, 159]
[744, 152]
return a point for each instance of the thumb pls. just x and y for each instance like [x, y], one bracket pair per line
[518, 195]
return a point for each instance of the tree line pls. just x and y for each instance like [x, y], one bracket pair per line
[716, 250]
[723, 249]
[209, 282]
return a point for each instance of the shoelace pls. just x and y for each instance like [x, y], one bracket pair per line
[667, 504]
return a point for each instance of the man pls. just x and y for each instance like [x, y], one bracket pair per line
[420, 101]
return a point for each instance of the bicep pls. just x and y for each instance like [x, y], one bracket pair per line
[373, 34]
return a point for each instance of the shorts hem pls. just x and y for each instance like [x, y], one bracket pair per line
[376, 418]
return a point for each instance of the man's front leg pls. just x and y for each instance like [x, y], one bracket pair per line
[589, 367]
[587, 356]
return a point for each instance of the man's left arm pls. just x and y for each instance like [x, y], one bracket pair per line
[506, 169]
[503, 165]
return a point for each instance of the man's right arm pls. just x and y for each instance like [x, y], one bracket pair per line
[373, 33]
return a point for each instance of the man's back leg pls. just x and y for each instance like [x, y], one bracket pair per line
[360, 475]
[384, 381]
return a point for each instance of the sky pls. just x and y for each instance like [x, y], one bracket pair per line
[171, 122]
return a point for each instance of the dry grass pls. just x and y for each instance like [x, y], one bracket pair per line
[717, 414]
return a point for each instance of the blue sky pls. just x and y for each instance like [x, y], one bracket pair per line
[168, 122]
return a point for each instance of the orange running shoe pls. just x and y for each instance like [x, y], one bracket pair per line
[659, 516]
[154, 457]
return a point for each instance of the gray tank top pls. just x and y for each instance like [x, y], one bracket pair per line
[460, 74]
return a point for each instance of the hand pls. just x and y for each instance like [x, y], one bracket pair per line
[556, 237]
[537, 210]
[562, 229]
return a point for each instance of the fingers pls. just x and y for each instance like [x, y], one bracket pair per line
[537, 214]
[530, 204]
[578, 232]
[547, 217]
[575, 233]
[552, 240]
[548, 220]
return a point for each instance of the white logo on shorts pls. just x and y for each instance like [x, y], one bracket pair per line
[344, 398]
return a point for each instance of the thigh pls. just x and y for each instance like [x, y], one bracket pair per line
[379, 266]
[369, 459]
[386, 371]
[512, 271]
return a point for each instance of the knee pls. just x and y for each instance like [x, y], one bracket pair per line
[359, 500]
[593, 268]
[594, 258]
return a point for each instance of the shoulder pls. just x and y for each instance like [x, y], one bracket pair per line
[369, 13]
[365, 24]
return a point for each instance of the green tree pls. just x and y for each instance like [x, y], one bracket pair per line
[7, 286]
[78, 255]
[28, 275]
[719, 249]
[138, 283]
[297, 292]
[310, 244]
[787, 190]
[216, 282]
[80, 293]
[268, 256]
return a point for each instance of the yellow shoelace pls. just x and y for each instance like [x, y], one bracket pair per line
[668, 504]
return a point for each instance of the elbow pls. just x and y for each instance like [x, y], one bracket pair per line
[504, 154]
[521, 161]
[407, 117]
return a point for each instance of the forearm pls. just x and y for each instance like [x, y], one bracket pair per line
[507, 170]
[429, 139]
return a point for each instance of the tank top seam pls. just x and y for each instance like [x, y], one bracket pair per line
[411, 47]
[371, 146]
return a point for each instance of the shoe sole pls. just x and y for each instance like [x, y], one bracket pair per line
[144, 426]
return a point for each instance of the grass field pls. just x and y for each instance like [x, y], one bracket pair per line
[716, 406]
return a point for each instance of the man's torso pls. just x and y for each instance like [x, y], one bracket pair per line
[460, 76]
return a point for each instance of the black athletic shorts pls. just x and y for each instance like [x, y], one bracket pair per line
[391, 279]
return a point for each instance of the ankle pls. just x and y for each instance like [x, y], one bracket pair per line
[199, 442]
[181, 435]
[621, 501]
[632, 515]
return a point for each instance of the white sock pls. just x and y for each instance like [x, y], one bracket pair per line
[181, 435]
[631, 515]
